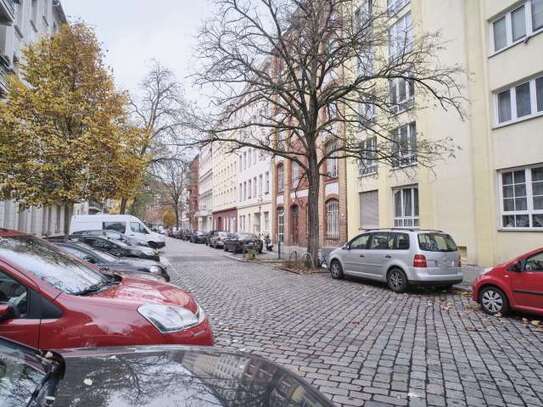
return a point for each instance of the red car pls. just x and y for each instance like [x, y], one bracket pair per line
[51, 300]
[517, 285]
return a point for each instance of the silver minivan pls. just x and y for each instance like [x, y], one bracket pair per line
[400, 257]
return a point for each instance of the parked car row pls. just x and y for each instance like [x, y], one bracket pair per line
[89, 320]
[418, 257]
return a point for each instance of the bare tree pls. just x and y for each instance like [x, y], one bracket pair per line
[289, 76]
[174, 178]
[158, 111]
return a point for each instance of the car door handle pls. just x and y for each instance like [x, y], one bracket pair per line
[388, 257]
[362, 255]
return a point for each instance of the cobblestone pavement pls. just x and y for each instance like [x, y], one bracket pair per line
[361, 344]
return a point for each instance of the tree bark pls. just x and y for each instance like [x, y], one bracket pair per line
[124, 202]
[313, 241]
[68, 210]
[177, 217]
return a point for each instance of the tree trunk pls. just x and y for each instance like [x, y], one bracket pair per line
[313, 241]
[124, 202]
[177, 217]
[68, 210]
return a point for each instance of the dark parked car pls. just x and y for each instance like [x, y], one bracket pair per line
[112, 235]
[241, 242]
[198, 237]
[216, 240]
[174, 376]
[119, 249]
[109, 263]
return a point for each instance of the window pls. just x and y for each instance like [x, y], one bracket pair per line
[521, 101]
[522, 198]
[260, 185]
[13, 292]
[402, 94]
[245, 190]
[267, 183]
[401, 241]
[137, 227]
[366, 113]
[369, 210]
[281, 224]
[332, 219]
[381, 241]
[255, 186]
[401, 37]
[240, 192]
[360, 242]
[332, 160]
[368, 154]
[406, 207]
[436, 242]
[537, 14]
[249, 189]
[513, 26]
[280, 178]
[534, 263]
[34, 16]
[296, 174]
[404, 148]
[394, 6]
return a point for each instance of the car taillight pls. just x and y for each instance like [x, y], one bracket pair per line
[419, 261]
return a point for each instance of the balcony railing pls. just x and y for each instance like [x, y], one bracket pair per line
[7, 12]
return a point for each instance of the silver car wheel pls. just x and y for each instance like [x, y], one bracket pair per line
[492, 301]
[335, 269]
[396, 281]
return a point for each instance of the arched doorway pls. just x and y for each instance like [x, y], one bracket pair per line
[219, 223]
[294, 224]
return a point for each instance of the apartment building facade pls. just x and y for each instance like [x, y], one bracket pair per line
[490, 196]
[192, 194]
[204, 214]
[23, 22]
[254, 191]
[225, 204]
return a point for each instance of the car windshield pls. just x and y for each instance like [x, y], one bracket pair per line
[436, 242]
[103, 256]
[20, 376]
[50, 264]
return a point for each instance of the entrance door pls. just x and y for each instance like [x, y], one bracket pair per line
[294, 224]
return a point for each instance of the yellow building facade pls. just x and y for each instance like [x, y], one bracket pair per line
[489, 197]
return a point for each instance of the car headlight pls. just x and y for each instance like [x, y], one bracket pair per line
[155, 270]
[487, 270]
[168, 318]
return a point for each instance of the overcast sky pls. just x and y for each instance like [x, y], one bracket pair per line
[136, 31]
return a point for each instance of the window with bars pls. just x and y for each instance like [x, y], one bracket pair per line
[406, 207]
[332, 219]
[404, 145]
[281, 224]
[402, 94]
[522, 198]
[368, 162]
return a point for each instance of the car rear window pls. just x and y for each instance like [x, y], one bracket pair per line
[436, 242]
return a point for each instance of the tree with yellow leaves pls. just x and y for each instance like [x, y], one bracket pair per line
[64, 135]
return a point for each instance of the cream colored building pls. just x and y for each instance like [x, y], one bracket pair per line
[205, 190]
[254, 191]
[224, 188]
[490, 196]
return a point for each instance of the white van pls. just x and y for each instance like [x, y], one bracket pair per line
[127, 224]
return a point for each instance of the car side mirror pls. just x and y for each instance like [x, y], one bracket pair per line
[7, 312]
[346, 246]
[90, 259]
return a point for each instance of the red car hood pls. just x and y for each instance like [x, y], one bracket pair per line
[138, 291]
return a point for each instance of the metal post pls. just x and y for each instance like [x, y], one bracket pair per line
[278, 247]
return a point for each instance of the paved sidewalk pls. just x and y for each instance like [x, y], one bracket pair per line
[361, 344]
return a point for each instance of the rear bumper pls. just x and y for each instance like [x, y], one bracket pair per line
[431, 276]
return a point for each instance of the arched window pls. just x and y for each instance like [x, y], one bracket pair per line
[332, 219]
[281, 224]
[296, 174]
[280, 178]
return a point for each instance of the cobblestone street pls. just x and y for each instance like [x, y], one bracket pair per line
[361, 344]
